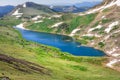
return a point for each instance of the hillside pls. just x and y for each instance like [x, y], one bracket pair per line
[4, 10]
[30, 9]
[26, 60]
[97, 27]
[21, 59]
[74, 8]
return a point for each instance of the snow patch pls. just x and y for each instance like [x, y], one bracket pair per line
[36, 18]
[38, 21]
[21, 26]
[112, 51]
[110, 64]
[51, 7]
[24, 5]
[56, 16]
[17, 14]
[92, 35]
[115, 54]
[103, 17]
[98, 27]
[74, 31]
[118, 2]
[57, 24]
[107, 30]
[107, 37]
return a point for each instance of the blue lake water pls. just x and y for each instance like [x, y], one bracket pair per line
[64, 43]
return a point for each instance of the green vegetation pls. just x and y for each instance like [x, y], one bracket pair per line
[106, 10]
[101, 44]
[81, 21]
[60, 65]
[100, 31]
[105, 21]
[44, 26]
[71, 22]
[85, 39]
[96, 24]
[82, 41]
[81, 68]
[88, 37]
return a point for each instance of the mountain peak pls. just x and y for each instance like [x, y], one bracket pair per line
[24, 5]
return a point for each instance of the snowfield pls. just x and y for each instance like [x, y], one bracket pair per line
[74, 31]
[112, 62]
[17, 14]
[110, 27]
[92, 35]
[38, 21]
[98, 27]
[24, 5]
[56, 25]
[21, 26]
[36, 18]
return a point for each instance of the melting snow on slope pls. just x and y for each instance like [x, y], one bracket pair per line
[24, 5]
[38, 21]
[107, 30]
[74, 31]
[57, 24]
[36, 18]
[110, 64]
[56, 16]
[92, 35]
[17, 14]
[21, 26]
[108, 36]
[98, 27]
[103, 17]
[117, 2]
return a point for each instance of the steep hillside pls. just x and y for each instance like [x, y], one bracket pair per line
[105, 29]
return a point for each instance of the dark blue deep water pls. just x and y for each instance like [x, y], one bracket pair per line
[64, 43]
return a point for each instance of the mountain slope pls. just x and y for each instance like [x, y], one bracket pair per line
[5, 10]
[106, 27]
[98, 27]
[75, 8]
[31, 9]
[17, 54]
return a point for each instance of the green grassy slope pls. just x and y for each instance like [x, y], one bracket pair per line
[60, 66]
[71, 22]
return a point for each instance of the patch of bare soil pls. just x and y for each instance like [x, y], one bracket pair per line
[23, 65]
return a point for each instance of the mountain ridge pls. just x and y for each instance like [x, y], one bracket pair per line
[4, 10]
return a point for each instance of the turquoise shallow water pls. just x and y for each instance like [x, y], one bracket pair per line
[64, 43]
